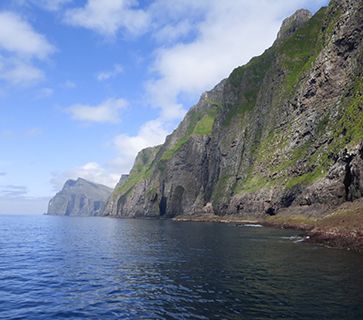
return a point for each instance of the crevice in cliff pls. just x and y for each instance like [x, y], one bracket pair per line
[348, 178]
[162, 206]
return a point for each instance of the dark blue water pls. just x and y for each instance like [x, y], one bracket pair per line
[99, 268]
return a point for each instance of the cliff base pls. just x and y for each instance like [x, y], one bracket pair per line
[341, 227]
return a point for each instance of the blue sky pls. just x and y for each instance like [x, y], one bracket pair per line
[86, 84]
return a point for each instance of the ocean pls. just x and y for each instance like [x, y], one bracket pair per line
[104, 268]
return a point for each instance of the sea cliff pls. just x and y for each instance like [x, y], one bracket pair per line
[283, 132]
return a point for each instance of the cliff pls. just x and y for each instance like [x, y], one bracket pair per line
[79, 198]
[283, 131]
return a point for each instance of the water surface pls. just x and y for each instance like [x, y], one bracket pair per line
[100, 268]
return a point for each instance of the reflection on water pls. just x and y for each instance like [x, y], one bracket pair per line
[99, 268]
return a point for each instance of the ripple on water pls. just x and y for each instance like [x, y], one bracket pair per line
[97, 268]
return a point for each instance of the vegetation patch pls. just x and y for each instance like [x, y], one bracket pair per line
[169, 153]
[297, 54]
[348, 217]
[299, 51]
[348, 130]
[306, 179]
[141, 171]
[246, 81]
[291, 221]
[135, 177]
[198, 124]
[220, 189]
[205, 125]
[253, 183]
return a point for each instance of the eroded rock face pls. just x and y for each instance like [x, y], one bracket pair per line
[285, 130]
[79, 198]
[291, 24]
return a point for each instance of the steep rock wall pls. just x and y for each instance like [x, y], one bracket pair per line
[285, 130]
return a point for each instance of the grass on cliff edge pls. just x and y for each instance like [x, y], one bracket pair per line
[133, 180]
[199, 124]
[141, 171]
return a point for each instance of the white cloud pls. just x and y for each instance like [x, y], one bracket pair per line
[91, 171]
[150, 134]
[20, 45]
[18, 72]
[171, 33]
[226, 34]
[106, 75]
[108, 16]
[17, 36]
[106, 112]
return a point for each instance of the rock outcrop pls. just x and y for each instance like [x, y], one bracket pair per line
[79, 198]
[291, 24]
[283, 131]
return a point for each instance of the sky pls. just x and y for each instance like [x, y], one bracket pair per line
[86, 84]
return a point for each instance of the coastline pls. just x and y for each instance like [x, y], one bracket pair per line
[341, 227]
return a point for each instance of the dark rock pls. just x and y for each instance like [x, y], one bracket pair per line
[270, 211]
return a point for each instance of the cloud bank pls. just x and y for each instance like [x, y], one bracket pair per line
[107, 111]
[20, 47]
[91, 171]
[108, 16]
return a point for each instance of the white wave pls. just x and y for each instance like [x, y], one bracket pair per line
[253, 225]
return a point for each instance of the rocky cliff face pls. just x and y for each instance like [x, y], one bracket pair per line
[79, 198]
[285, 130]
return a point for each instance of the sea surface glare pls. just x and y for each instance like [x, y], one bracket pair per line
[103, 268]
